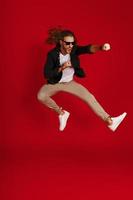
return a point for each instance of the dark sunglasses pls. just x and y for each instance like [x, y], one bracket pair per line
[68, 43]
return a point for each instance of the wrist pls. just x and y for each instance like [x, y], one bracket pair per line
[61, 68]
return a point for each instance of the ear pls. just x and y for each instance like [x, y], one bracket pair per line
[60, 41]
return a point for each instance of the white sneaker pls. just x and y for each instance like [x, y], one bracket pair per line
[117, 121]
[63, 120]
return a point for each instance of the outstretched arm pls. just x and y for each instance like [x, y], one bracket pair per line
[92, 48]
[95, 48]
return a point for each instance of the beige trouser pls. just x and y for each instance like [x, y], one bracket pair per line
[48, 90]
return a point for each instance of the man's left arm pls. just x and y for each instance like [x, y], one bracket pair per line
[95, 48]
[92, 48]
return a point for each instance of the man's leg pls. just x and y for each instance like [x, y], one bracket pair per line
[80, 91]
[44, 96]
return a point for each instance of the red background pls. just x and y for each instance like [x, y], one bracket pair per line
[86, 161]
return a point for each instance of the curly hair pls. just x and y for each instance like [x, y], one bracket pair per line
[58, 33]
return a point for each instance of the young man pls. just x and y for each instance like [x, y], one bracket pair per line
[61, 66]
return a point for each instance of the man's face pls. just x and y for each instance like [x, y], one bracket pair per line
[67, 44]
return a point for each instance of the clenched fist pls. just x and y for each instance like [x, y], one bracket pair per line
[66, 64]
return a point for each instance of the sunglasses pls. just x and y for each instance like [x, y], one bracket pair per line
[68, 43]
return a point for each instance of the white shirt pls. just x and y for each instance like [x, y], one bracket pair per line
[67, 73]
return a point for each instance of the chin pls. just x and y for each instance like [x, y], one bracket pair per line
[69, 51]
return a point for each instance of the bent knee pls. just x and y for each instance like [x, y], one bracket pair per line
[41, 96]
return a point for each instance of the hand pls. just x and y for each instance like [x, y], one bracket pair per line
[106, 47]
[66, 64]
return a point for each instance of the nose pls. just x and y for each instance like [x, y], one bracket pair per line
[71, 45]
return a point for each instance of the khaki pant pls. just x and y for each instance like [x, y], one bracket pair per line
[48, 90]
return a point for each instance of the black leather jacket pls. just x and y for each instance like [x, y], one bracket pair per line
[52, 63]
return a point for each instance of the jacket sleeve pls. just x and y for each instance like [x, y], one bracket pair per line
[80, 72]
[83, 49]
[50, 68]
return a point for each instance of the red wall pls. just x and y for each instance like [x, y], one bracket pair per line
[27, 126]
